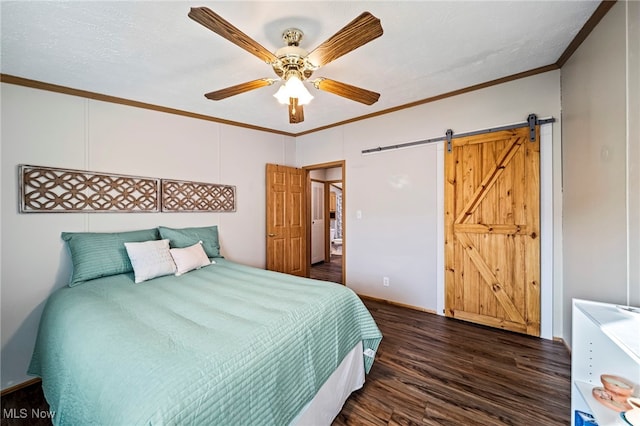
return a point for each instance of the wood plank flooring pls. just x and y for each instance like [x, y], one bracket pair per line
[432, 370]
[23, 407]
[328, 271]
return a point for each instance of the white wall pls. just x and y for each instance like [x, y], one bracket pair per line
[396, 191]
[50, 129]
[596, 165]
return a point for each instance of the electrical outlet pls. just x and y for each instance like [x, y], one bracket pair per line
[385, 281]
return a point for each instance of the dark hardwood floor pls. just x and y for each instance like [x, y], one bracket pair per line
[328, 271]
[26, 406]
[431, 370]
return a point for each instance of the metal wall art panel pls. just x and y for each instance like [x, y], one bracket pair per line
[186, 196]
[49, 189]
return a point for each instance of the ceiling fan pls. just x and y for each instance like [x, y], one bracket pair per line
[292, 64]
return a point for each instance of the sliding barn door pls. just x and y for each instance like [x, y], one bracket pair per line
[286, 220]
[492, 230]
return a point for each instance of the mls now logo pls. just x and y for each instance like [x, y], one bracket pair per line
[23, 413]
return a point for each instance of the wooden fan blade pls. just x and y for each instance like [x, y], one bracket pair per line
[296, 112]
[348, 91]
[238, 88]
[361, 30]
[218, 25]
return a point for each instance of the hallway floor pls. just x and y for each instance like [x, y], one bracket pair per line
[328, 271]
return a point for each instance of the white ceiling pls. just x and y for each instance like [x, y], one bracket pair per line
[150, 51]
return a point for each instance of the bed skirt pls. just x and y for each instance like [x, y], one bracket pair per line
[328, 402]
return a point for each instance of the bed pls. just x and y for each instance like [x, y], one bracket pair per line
[220, 344]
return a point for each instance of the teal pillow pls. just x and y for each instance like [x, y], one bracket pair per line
[98, 254]
[186, 237]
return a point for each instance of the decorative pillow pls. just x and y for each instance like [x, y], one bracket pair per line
[186, 237]
[150, 259]
[97, 254]
[190, 258]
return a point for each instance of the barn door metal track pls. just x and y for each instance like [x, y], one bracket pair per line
[531, 123]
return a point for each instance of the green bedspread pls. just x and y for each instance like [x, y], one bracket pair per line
[224, 345]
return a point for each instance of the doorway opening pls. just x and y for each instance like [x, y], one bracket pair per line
[326, 221]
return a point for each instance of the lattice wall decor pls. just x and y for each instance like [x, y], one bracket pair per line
[49, 189]
[186, 196]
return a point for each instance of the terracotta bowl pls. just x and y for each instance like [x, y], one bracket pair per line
[618, 387]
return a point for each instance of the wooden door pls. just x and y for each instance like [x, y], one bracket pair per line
[492, 230]
[286, 220]
[317, 222]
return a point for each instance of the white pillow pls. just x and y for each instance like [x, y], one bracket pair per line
[190, 258]
[150, 259]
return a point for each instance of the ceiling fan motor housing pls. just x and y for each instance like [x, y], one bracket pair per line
[292, 59]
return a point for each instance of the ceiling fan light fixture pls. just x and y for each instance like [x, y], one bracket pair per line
[293, 88]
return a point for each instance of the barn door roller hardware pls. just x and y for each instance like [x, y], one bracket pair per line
[531, 123]
[449, 135]
[532, 120]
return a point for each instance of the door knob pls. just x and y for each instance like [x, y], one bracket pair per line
[272, 235]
